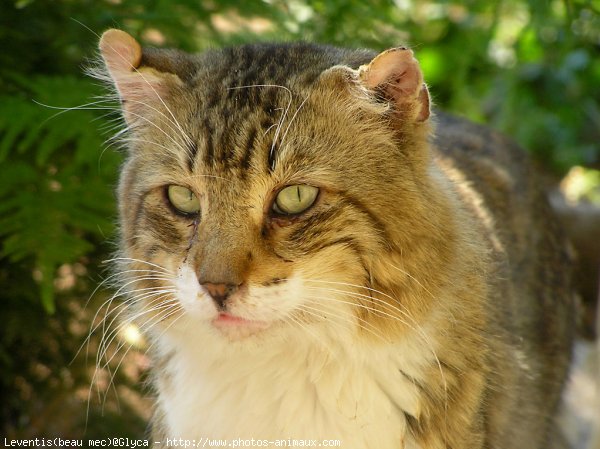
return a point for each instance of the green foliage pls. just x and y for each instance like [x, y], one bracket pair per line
[528, 67]
[54, 198]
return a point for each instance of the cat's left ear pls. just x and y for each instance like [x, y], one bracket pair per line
[396, 76]
[138, 86]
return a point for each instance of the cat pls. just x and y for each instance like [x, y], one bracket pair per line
[314, 253]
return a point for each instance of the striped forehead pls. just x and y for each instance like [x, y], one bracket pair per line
[239, 130]
[242, 97]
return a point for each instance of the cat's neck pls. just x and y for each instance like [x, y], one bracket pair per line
[313, 384]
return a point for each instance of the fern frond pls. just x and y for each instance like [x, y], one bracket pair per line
[55, 196]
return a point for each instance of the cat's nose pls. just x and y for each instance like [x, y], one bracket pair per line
[219, 292]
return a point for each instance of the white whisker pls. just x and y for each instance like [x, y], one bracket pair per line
[292, 120]
[348, 318]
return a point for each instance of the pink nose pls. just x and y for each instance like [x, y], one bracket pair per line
[219, 292]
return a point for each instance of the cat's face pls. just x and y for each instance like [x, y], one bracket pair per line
[261, 190]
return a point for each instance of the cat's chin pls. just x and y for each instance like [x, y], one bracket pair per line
[238, 328]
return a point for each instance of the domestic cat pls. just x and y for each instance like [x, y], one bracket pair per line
[313, 254]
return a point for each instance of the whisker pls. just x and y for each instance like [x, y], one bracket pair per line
[292, 119]
[137, 139]
[122, 344]
[107, 340]
[106, 364]
[169, 136]
[106, 304]
[390, 307]
[130, 259]
[406, 273]
[373, 310]
[177, 308]
[346, 317]
[159, 297]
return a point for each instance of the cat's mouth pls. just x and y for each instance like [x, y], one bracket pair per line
[237, 327]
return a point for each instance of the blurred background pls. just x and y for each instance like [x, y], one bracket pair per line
[529, 68]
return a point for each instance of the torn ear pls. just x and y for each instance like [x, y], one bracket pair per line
[395, 74]
[137, 85]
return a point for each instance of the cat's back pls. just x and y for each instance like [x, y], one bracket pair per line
[530, 292]
[500, 183]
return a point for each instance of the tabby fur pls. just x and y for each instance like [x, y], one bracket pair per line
[423, 301]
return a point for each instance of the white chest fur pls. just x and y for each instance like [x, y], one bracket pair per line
[286, 388]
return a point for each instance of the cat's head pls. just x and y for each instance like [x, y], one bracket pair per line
[269, 189]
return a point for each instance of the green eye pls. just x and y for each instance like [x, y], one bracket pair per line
[183, 199]
[295, 199]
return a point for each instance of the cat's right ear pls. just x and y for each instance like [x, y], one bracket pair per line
[395, 79]
[396, 76]
[138, 86]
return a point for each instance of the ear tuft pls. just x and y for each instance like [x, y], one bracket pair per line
[121, 52]
[396, 74]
